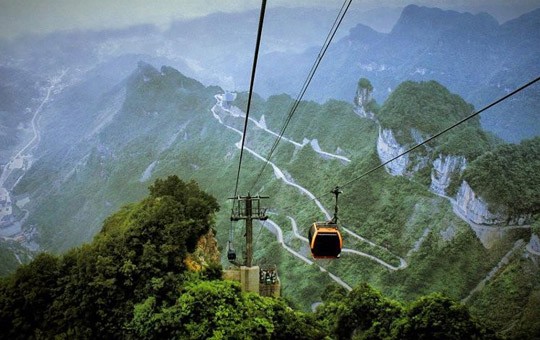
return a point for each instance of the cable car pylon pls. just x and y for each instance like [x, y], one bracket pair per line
[247, 208]
[261, 280]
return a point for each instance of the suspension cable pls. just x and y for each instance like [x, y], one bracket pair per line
[474, 114]
[254, 68]
[314, 67]
[252, 81]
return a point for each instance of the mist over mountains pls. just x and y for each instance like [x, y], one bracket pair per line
[472, 55]
[89, 119]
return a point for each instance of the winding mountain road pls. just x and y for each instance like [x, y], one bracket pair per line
[14, 230]
[236, 112]
[36, 133]
[274, 228]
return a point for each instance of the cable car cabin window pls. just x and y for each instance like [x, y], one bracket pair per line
[325, 240]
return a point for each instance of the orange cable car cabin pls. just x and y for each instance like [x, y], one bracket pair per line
[325, 240]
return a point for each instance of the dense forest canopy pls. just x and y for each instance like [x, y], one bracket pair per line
[509, 176]
[90, 291]
[132, 281]
[429, 108]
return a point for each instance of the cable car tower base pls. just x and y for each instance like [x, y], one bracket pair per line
[263, 281]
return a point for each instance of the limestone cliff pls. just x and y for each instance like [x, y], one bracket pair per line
[443, 169]
[388, 148]
[474, 208]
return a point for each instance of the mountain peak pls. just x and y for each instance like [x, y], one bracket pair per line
[364, 33]
[420, 20]
[146, 69]
[527, 22]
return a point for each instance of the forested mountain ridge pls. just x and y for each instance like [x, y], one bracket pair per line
[514, 169]
[417, 111]
[158, 121]
[133, 281]
[428, 108]
[125, 127]
[472, 55]
[89, 118]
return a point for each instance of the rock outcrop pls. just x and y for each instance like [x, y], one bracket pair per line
[534, 243]
[362, 99]
[475, 209]
[206, 253]
[388, 148]
[443, 169]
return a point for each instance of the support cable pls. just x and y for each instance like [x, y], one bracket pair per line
[474, 114]
[314, 67]
[253, 70]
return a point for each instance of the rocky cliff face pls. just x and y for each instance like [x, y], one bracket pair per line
[469, 205]
[475, 208]
[361, 100]
[388, 148]
[443, 168]
[206, 253]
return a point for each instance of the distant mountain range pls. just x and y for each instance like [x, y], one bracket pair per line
[111, 119]
[103, 140]
[472, 55]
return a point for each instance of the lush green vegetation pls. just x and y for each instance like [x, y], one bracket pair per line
[514, 294]
[132, 282]
[366, 314]
[429, 108]
[365, 84]
[90, 291]
[218, 310]
[166, 121]
[509, 176]
[393, 212]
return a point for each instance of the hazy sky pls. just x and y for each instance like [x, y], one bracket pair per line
[42, 16]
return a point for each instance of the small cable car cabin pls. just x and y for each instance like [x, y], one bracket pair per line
[325, 240]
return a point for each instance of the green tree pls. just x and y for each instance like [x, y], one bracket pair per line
[509, 177]
[364, 83]
[26, 295]
[438, 317]
[217, 310]
[365, 308]
[90, 291]
[364, 313]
